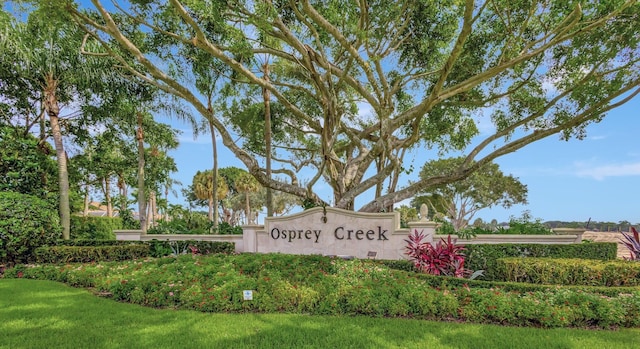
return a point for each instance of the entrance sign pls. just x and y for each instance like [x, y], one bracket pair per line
[330, 231]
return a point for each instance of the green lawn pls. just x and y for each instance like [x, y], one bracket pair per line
[44, 314]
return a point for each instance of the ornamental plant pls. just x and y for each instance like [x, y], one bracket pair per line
[26, 223]
[632, 242]
[445, 258]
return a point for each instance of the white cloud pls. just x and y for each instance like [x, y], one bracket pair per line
[612, 170]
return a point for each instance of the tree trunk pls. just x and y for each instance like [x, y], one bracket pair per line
[154, 208]
[210, 202]
[266, 95]
[142, 200]
[213, 205]
[247, 208]
[85, 211]
[53, 110]
[107, 196]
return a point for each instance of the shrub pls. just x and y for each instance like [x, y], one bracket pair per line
[98, 228]
[445, 258]
[184, 222]
[570, 271]
[88, 254]
[92, 242]
[525, 225]
[225, 228]
[484, 257]
[161, 248]
[26, 222]
[25, 166]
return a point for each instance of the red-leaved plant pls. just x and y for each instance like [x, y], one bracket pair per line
[632, 242]
[445, 258]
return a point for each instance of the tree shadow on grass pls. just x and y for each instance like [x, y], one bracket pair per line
[42, 314]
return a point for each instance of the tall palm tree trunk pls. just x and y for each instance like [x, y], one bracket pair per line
[142, 200]
[53, 110]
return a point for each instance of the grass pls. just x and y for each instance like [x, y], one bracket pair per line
[45, 314]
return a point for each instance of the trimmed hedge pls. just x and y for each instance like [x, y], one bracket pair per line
[445, 282]
[484, 257]
[88, 254]
[160, 248]
[99, 228]
[85, 242]
[154, 248]
[570, 271]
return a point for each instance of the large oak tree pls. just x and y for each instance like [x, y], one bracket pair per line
[365, 82]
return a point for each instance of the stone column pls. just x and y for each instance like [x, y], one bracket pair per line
[250, 237]
[424, 226]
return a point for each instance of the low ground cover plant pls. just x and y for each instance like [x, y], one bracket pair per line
[323, 285]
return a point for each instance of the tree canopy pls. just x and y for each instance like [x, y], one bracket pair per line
[361, 84]
[461, 200]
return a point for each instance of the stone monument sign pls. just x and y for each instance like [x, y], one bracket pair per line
[330, 231]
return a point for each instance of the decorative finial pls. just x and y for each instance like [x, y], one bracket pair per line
[424, 212]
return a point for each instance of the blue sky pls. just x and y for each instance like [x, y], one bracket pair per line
[597, 178]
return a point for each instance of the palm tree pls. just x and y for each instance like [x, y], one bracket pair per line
[246, 183]
[203, 190]
[49, 64]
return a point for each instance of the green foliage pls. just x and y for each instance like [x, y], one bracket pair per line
[26, 222]
[225, 228]
[90, 254]
[484, 257]
[94, 242]
[444, 227]
[460, 200]
[161, 248]
[470, 232]
[98, 228]
[323, 285]
[187, 222]
[525, 224]
[407, 214]
[25, 166]
[570, 271]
